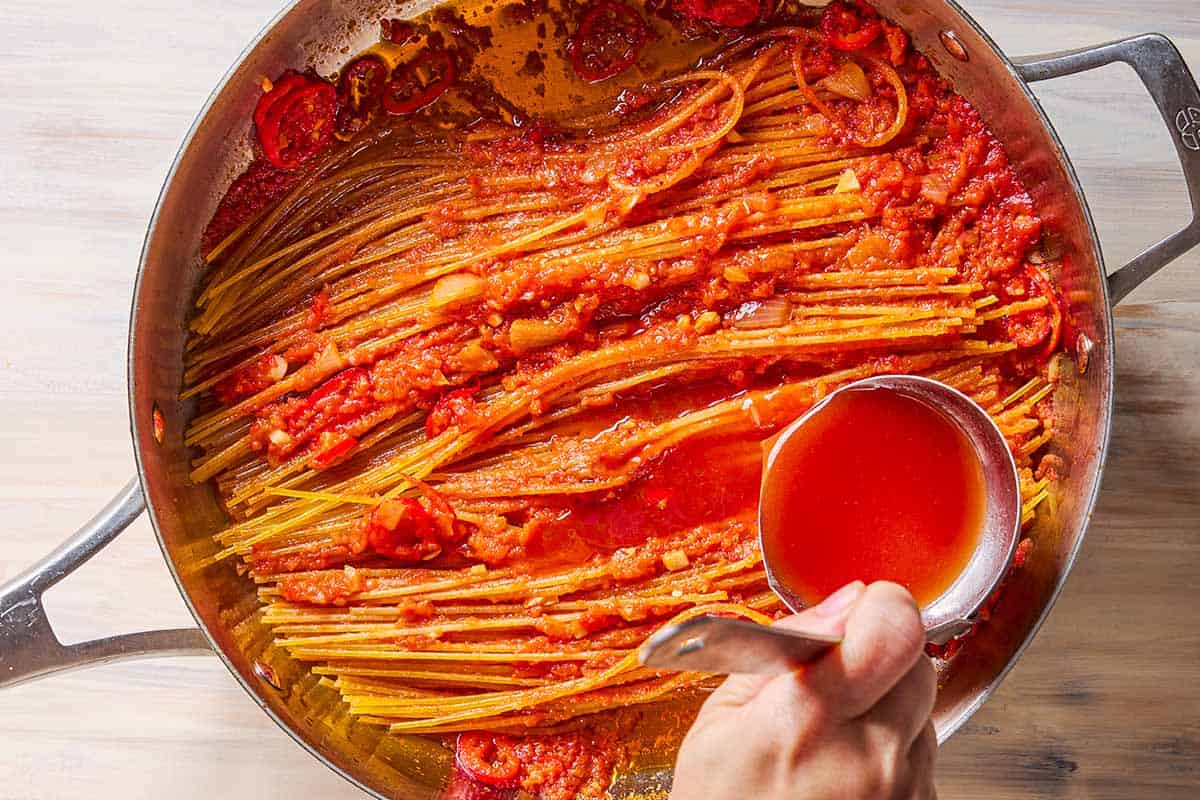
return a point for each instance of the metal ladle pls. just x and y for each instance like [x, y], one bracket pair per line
[722, 645]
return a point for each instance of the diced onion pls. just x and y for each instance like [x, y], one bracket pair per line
[708, 322]
[675, 560]
[474, 357]
[848, 182]
[533, 334]
[736, 275]
[279, 438]
[638, 281]
[849, 81]
[455, 289]
[329, 359]
[277, 369]
[388, 514]
[770, 313]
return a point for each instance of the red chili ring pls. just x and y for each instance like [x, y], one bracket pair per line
[405, 77]
[620, 20]
[287, 83]
[362, 82]
[269, 133]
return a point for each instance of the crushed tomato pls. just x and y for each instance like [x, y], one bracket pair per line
[400, 529]
[559, 766]
[452, 408]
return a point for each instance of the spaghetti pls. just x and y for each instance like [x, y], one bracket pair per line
[484, 401]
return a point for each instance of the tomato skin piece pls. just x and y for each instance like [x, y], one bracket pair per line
[298, 125]
[407, 93]
[606, 25]
[724, 13]
[336, 384]
[488, 758]
[846, 28]
[344, 444]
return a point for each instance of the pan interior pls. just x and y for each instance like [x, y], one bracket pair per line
[319, 33]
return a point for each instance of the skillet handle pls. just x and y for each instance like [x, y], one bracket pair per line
[28, 647]
[1162, 69]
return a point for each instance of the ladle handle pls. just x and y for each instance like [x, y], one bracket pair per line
[725, 646]
[29, 648]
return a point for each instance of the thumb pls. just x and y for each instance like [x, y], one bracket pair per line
[827, 617]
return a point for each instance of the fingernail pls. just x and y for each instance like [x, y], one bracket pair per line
[840, 601]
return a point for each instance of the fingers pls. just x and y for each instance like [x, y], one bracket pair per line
[828, 617]
[884, 638]
[906, 708]
[921, 760]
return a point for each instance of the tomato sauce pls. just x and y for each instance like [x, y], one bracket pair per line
[701, 482]
[875, 486]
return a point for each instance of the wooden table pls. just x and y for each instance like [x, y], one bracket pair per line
[95, 100]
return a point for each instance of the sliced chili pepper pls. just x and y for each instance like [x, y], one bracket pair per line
[298, 125]
[362, 82]
[726, 13]
[337, 384]
[1058, 312]
[488, 758]
[846, 28]
[359, 91]
[609, 38]
[418, 83]
[284, 86]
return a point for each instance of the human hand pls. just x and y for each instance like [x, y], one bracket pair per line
[853, 725]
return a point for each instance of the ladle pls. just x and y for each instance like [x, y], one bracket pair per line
[722, 645]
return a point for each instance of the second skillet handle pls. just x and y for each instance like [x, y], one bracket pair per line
[28, 647]
[1162, 69]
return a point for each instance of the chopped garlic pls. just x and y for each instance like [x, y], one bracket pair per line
[637, 281]
[848, 182]
[736, 275]
[675, 560]
[708, 322]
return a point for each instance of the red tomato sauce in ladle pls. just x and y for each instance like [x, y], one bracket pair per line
[874, 485]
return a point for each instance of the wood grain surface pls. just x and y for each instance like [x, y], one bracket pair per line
[95, 100]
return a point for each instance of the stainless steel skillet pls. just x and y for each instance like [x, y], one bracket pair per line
[184, 515]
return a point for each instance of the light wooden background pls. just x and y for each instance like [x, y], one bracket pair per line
[94, 99]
